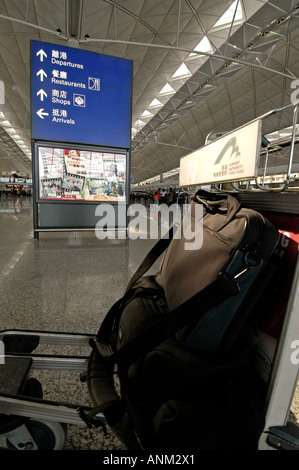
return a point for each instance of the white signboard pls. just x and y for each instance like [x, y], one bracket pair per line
[233, 157]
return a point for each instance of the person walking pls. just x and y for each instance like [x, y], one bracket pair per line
[171, 197]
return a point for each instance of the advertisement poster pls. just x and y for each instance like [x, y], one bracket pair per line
[72, 174]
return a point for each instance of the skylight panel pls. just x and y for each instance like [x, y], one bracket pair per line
[182, 71]
[234, 12]
[139, 122]
[203, 46]
[155, 103]
[146, 113]
[166, 89]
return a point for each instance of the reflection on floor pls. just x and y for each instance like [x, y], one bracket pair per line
[65, 281]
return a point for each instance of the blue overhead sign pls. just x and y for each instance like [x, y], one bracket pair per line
[80, 96]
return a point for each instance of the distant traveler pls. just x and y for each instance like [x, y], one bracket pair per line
[157, 197]
[171, 197]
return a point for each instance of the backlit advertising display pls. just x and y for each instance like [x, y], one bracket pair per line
[69, 174]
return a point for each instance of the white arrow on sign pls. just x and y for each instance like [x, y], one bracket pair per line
[41, 114]
[42, 74]
[42, 93]
[41, 54]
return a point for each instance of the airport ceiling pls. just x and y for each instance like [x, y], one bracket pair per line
[199, 66]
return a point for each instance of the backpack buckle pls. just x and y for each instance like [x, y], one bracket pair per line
[229, 283]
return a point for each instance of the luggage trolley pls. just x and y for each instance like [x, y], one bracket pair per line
[277, 348]
[27, 421]
[276, 345]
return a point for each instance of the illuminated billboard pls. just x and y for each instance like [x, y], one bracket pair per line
[72, 174]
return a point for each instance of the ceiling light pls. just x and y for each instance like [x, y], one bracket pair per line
[5, 123]
[2, 116]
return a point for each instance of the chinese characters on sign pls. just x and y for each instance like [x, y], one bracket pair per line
[80, 96]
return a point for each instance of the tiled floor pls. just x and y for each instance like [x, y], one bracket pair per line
[66, 282]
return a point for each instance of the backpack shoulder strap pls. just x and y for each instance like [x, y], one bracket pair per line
[152, 256]
[110, 322]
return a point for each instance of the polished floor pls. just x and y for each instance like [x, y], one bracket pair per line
[64, 282]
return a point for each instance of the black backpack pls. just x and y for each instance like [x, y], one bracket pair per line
[171, 367]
